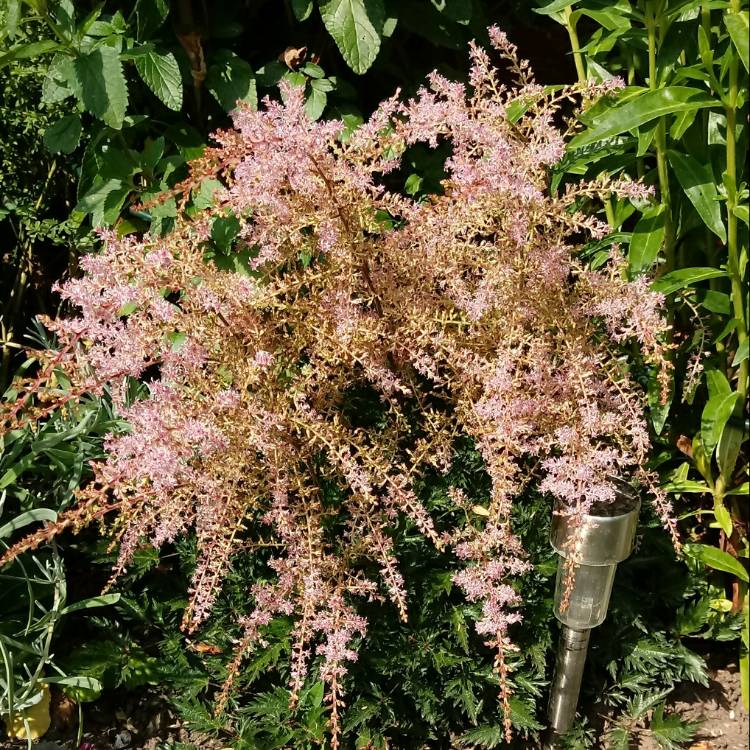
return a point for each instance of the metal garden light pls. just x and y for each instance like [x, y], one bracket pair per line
[605, 539]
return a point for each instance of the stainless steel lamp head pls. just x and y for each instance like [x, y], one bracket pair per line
[603, 538]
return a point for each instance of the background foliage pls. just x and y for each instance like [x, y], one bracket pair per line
[103, 105]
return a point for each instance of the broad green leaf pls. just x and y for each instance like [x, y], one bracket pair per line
[96, 196]
[302, 9]
[728, 449]
[717, 559]
[697, 180]
[90, 683]
[739, 29]
[315, 103]
[687, 486]
[647, 239]
[683, 277]
[722, 516]
[717, 383]
[26, 51]
[642, 109]
[12, 16]
[161, 73]
[743, 214]
[715, 415]
[150, 15]
[230, 79]
[741, 354]
[355, 26]
[742, 489]
[100, 85]
[56, 84]
[64, 135]
[554, 7]
[24, 519]
[97, 601]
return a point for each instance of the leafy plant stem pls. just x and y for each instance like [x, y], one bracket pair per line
[733, 266]
[575, 45]
[660, 143]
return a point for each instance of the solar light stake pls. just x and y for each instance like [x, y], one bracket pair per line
[604, 540]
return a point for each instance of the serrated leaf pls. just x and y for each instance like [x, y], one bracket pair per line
[683, 277]
[355, 26]
[739, 29]
[56, 84]
[63, 136]
[697, 181]
[641, 109]
[230, 79]
[161, 73]
[100, 85]
[670, 731]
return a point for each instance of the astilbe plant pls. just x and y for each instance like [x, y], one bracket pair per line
[466, 311]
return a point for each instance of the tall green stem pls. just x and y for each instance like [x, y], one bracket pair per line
[733, 250]
[575, 45]
[660, 142]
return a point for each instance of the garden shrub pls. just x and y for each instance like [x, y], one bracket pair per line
[465, 315]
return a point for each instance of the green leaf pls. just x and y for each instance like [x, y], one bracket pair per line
[89, 683]
[12, 16]
[717, 559]
[683, 277]
[728, 449]
[224, 230]
[355, 26]
[697, 180]
[743, 214]
[686, 486]
[100, 85]
[161, 73]
[24, 519]
[640, 109]
[230, 79]
[150, 15]
[647, 239]
[670, 732]
[554, 7]
[717, 383]
[63, 137]
[315, 102]
[97, 601]
[96, 196]
[302, 9]
[56, 84]
[715, 415]
[739, 29]
[26, 51]
[742, 489]
[722, 516]
[741, 354]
